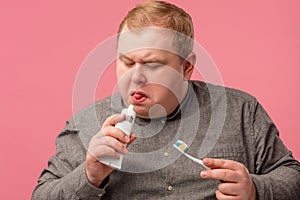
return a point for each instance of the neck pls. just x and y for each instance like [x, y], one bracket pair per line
[169, 110]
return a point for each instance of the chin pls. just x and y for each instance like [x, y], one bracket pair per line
[141, 111]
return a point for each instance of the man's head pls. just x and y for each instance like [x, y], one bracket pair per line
[155, 58]
[164, 15]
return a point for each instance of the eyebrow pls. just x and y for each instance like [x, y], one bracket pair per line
[121, 56]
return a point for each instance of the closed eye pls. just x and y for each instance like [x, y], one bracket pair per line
[129, 64]
[154, 65]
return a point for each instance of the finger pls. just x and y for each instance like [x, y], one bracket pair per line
[113, 119]
[221, 196]
[110, 142]
[132, 138]
[226, 175]
[114, 132]
[103, 151]
[229, 188]
[222, 163]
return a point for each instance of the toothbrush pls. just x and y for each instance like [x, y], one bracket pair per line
[183, 148]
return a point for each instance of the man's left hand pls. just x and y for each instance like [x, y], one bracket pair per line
[236, 182]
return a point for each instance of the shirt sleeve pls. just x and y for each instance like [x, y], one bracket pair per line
[277, 174]
[65, 177]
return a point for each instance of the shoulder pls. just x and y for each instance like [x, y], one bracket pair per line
[90, 114]
[86, 119]
[83, 125]
[231, 94]
[229, 99]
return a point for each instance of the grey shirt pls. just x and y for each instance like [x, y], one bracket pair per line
[214, 121]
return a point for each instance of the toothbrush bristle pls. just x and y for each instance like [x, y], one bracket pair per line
[182, 146]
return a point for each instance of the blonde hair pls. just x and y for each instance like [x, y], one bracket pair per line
[165, 15]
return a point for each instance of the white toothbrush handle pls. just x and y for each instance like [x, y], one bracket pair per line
[197, 160]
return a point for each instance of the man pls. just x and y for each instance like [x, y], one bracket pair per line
[247, 160]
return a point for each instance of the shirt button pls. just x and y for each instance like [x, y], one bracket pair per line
[170, 188]
[100, 195]
[166, 154]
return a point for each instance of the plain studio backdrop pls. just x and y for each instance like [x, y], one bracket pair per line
[255, 45]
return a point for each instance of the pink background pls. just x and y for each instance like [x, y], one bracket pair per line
[255, 44]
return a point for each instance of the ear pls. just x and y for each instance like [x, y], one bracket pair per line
[188, 65]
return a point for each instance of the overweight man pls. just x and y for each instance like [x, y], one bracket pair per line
[227, 128]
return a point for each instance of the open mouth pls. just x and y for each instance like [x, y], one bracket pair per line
[138, 96]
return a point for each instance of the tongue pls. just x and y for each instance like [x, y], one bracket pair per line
[138, 96]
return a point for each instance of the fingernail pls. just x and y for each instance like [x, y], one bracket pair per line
[126, 138]
[206, 161]
[125, 150]
[203, 174]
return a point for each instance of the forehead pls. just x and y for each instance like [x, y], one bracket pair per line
[146, 38]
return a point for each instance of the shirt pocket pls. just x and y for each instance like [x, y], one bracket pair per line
[230, 152]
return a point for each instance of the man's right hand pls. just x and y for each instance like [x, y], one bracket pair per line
[109, 141]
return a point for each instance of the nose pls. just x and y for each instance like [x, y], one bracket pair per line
[138, 75]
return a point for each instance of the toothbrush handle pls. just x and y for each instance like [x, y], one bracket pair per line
[197, 161]
[201, 163]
